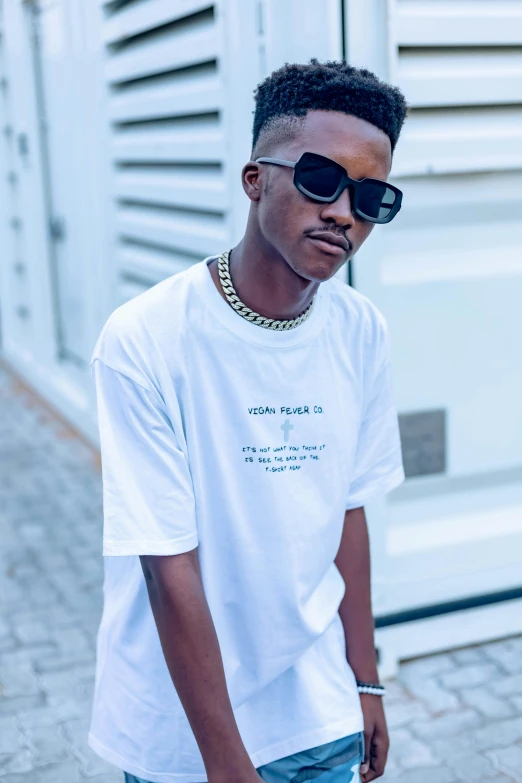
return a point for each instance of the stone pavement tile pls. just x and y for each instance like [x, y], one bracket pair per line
[449, 748]
[427, 666]
[410, 753]
[516, 701]
[32, 632]
[90, 763]
[46, 715]
[508, 686]
[473, 767]
[470, 676]
[428, 690]
[18, 680]
[10, 736]
[395, 692]
[62, 662]
[20, 703]
[485, 702]
[508, 760]
[47, 744]
[26, 655]
[441, 774]
[398, 715]
[61, 685]
[498, 733]
[447, 725]
[67, 772]
[19, 763]
[506, 652]
[72, 641]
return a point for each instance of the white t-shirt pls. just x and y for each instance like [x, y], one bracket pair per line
[249, 444]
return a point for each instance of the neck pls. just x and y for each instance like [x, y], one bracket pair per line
[263, 279]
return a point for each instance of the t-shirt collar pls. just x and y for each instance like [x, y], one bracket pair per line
[252, 332]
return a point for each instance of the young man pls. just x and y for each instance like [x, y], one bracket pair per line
[246, 415]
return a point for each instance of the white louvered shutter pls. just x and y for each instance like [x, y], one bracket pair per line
[165, 105]
[459, 63]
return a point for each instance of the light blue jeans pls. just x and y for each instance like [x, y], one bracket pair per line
[334, 762]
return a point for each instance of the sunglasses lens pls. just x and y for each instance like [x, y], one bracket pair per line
[376, 200]
[319, 176]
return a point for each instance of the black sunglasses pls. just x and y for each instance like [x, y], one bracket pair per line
[322, 179]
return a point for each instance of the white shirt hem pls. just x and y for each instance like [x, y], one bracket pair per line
[390, 482]
[290, 746]
[174, 546]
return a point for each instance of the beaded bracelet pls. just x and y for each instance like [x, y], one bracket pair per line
[370, 687]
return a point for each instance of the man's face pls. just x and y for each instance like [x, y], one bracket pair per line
[287, 217]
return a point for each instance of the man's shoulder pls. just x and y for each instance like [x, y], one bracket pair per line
[356, 311]
[141, 324]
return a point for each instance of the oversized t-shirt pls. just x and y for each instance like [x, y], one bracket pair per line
[249, 444]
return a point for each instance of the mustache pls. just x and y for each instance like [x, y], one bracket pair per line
[330, 230]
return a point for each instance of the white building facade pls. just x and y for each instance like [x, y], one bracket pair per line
[124, 128]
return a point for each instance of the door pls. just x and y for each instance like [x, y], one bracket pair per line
[447, 273]
[55, 30]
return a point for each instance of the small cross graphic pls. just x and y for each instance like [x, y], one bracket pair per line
[286, 427]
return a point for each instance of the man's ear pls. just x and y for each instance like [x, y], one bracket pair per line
[252, 180]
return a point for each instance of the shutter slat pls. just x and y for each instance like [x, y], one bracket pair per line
[138, 147]
[201, 190]
[142, 17]
[195, 96]
[460, 77]
[189, 233]
[152, 57]
[478, 139]
[457, 23]
[151, 264]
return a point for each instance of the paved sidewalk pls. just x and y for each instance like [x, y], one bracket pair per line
[453, 717]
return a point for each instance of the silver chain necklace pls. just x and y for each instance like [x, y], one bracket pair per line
[246, 312]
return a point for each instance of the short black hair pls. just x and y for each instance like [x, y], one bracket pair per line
[284, 98]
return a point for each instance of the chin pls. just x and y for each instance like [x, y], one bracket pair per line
[318, 267]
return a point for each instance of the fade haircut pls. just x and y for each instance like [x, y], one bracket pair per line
[283, 99]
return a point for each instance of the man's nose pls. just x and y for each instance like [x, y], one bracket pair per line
[339, 211]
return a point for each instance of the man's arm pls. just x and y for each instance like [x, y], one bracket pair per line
[353, 562]
[191, 648]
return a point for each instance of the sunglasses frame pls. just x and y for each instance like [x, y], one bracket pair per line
[345, 182]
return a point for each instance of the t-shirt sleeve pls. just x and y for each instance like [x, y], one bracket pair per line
[148, 498]
[378, 465]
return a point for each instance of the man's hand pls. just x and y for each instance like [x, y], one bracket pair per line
[376, 741]
[353, 562]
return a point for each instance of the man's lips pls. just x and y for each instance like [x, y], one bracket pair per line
[334, 243]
